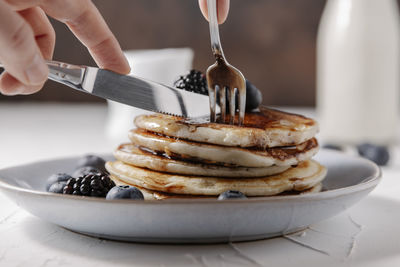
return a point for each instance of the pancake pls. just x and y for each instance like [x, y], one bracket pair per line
[265, 128]
[315, 189]
[157, 195]
[216, 154]
[306, 175]
[133, 155]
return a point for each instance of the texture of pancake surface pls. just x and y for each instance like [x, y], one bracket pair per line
[217, 154]
[306, 175]
[266, 128]
[133, 155]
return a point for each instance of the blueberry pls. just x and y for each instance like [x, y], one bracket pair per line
[253, 96]
[231, 194]
[57, 187]
[332, 147]
[378, 154]
[82, 171]
[125, 192]
[54, 178]
[92, 161]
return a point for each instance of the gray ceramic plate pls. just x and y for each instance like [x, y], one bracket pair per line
[190, 221]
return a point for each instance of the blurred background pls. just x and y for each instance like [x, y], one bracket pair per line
[272, 41]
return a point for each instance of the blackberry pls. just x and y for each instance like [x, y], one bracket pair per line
[82, 171]
[92, 184]
[194, 81]
[68, 188]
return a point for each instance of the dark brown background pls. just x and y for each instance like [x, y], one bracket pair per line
[271, 41]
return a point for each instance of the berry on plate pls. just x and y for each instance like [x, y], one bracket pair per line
[253, 96]
[54, 178]
[378, 154]
[82, 171]
[92, 184]
[195, 81]
[125, 192]
[231, 194]
[92, 161]
[57, 187]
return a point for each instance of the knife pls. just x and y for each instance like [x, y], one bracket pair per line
[130, 90]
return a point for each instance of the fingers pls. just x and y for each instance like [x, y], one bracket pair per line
[42, 29]
[23, 4]
[86, 22]
[222, 9]
[23, 46]
[18, 49]
[11, 86]
[45, 39]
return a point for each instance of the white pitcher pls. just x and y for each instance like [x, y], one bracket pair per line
[358, 69]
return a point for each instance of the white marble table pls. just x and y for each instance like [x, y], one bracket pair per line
[31, 132]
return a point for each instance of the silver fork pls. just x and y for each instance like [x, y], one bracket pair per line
[223, 77]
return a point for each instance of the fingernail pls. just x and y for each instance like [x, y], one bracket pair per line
[37, 71]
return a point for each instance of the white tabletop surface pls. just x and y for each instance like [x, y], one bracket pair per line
[31, 132]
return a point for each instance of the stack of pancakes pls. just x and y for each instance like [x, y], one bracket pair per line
[172, 157]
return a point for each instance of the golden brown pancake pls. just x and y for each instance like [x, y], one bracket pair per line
[141, 157]
[265, 128]
[223, 155]
[157, 195]
[306, 175]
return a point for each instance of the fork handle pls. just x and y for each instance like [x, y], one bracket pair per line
[214, 31]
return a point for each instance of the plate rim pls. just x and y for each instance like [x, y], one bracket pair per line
[368, 182]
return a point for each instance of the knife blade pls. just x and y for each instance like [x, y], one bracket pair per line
[130, 90]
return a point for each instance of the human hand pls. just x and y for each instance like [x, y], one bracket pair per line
[222, 7]
[27, 38]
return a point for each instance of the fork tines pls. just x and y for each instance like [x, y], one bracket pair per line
[226, 96]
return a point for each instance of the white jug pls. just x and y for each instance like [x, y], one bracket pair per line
[358, 69]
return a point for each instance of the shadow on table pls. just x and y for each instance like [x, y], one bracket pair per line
[377, 214]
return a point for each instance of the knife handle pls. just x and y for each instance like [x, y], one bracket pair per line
[68, 74]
